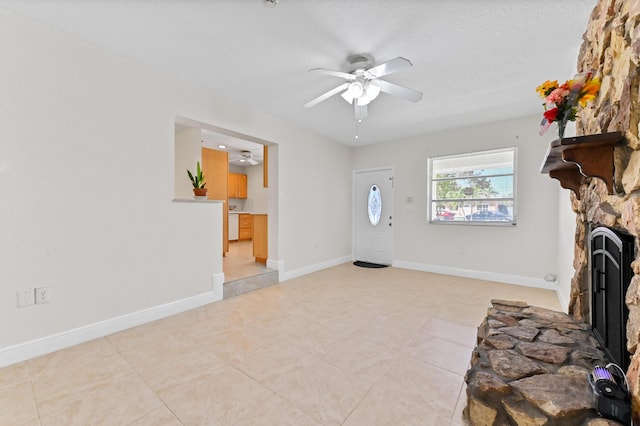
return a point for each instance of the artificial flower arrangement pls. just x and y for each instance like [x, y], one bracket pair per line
[561, 101]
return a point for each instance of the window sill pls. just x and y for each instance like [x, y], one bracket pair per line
[474, 222]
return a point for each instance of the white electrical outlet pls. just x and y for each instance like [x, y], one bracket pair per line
[26, 297]
[42, 295]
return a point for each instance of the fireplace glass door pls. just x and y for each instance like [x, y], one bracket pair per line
[611, 256]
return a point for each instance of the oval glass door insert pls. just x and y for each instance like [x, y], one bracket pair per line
[374, 205]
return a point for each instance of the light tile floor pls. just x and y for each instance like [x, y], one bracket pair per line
[239, 262]
[343, 346]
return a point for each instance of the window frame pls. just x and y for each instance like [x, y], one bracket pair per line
[480, 201]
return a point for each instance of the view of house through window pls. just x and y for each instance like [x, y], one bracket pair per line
[474, 188]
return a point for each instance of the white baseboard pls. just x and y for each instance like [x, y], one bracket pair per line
[27, 350]
[283, 276]
[217, 282]
[480, 275]
[274, 264]
[278, 265]
[562, 298]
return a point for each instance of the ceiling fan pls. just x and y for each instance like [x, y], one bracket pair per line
[244, 157]
[362, 83]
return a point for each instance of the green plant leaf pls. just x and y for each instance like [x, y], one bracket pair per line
[198, 179]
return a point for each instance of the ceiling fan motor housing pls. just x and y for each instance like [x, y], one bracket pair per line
[361, 61]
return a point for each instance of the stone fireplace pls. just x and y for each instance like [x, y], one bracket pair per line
[611, 50]
[605, 194]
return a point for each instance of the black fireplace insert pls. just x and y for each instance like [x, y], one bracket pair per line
[612, 252]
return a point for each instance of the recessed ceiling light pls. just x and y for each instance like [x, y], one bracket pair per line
[221, 146]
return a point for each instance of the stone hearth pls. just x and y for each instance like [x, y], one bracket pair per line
[530, 367]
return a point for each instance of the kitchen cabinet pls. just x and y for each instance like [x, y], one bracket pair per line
[260, 237]
[237, 185]
[234, 226]
[215, 167]
[245, 226]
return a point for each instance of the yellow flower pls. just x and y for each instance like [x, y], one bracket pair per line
[547, 87]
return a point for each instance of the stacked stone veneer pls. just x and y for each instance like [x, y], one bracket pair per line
[611, 50]
[530, 368]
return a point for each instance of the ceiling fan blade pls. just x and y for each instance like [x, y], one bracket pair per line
[399, 91]
[394, 65]
[333, 73]
[326, 95]
[252, 161]
[360, 111]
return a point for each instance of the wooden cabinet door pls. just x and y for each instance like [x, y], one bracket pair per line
[215, 167]
[237, 185]
[241, 186]
[232, 185]
[260, 237]
[245, 227]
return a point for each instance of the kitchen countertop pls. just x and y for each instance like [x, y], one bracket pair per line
[247, 213]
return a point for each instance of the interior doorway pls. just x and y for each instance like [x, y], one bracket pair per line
[246, 157]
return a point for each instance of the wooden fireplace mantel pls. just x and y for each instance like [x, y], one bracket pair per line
[570, 159]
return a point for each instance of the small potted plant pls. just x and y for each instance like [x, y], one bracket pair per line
[198, 182]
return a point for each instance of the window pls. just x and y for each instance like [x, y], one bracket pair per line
[476, 188]
[374, 205]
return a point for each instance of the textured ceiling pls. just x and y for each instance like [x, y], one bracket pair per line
[475, 60]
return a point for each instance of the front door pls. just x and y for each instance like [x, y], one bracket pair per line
[373, 215]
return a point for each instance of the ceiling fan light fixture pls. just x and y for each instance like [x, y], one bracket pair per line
[347, 97]
[355, 89]
[371, 91]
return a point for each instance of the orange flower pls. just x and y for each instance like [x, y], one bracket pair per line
[589, 91]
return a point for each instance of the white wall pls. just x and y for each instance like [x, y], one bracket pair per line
[188, 151]
[315, 225]
[566, 236]
[87, 182]
[521, 254]
[258, 195]
[566, 247]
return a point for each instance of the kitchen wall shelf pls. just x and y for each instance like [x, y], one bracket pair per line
[570, 159]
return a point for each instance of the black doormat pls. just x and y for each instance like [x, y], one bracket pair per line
[368, 264]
